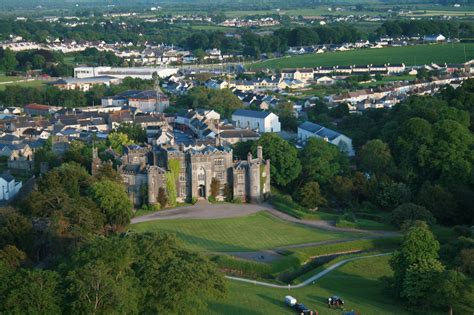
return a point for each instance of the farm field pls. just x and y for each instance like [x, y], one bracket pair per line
[358, 285]
[250, 233]
[410, 55]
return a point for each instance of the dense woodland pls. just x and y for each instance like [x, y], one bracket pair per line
[63, 251]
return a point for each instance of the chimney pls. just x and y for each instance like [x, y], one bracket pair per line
[249, 157]
[259, 153]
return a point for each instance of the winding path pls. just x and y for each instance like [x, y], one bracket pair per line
[307, 281]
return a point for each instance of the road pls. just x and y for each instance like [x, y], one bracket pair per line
[307, 281]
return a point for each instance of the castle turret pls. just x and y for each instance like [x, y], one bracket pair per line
[96, 162]
[260, 153]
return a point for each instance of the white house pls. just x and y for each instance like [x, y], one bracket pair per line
[434, 38]
[8, 187]
[325, 80]
[261, 121]
[309, 129]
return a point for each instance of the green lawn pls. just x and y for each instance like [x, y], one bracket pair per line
[4, 78]
[410, 55]
[34, 83]
[357, 282]
[250, 233]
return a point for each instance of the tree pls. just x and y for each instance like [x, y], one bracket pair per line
[113, 200]
[99, 279]
[173, 280]
[322, 160]
[134, 132]
[310, 196]
[341, 188]
[162, 197]
[416, 266]
[389, 195]
[466, 257]
[215, 187]
[223, 101]
[284, 165]
[451, 290]
[33, 291]
[8, 60]
[375, 157]
[439, 201]
[118, 140]
[107, 171]
[410, 212]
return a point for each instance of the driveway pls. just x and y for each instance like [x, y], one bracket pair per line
[203, 210]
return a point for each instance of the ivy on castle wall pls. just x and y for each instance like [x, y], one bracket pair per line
[171, 179]
[263, 177]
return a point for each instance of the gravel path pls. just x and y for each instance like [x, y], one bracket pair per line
[307, 281]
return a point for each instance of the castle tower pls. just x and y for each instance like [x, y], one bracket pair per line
[260, 153]
[96, 161]
[153, 185]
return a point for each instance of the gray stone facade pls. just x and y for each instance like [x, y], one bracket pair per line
[144, 172]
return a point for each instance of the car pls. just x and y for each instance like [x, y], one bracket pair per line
[301, 308]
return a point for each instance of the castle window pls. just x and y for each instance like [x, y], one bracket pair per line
[182, 190]
[219, 162]
[182, 178]
[201, 177]
[240, 178]
[220, 176]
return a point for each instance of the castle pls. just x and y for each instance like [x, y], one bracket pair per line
[195, 170]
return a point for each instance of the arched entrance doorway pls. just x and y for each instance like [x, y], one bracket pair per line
[201, 181]
[202, 191]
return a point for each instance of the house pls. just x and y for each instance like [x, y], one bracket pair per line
[325, 81]
[149, 101]
[261, 121]
[35, 109]
[234, 135]
[434, 38]
[303, 75]
[309, 129]
[9, 187]
[216, 84]
[84, 84]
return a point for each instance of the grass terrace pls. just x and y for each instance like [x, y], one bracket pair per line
[250, 233]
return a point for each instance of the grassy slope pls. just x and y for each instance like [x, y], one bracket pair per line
[410, 55]
[358, 285]
[254, 232]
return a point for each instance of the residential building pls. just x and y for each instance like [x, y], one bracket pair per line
[9, 187]
[84, 84]
[261, 121]
[309, 129]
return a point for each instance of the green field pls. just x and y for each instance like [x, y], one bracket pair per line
[410, 55]
[254, 232]
[34, 83]
[4, 78]
[357, 282]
